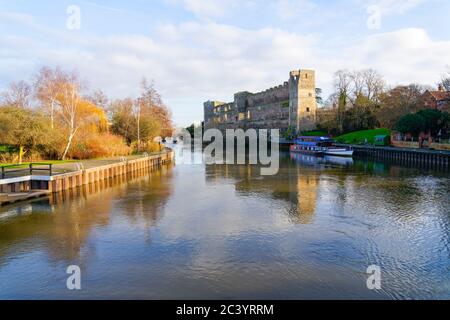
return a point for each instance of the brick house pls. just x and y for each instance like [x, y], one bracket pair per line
[438, 100]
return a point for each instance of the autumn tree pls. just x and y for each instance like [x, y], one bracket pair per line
[74, 112]
[124, 122]
[397, 102]
[153, 106]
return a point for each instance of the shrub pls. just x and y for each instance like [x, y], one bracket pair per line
[98, 145]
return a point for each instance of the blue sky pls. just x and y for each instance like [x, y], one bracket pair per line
[196, 50]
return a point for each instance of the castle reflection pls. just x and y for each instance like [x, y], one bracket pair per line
[297, 185]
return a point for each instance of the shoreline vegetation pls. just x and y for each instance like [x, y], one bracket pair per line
[56, 116]
[363, 105]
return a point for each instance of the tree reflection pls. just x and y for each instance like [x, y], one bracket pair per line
[61, 224]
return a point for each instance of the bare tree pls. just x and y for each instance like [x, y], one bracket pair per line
[374, 84]
[342, 82]
[445, 82]
[48, 85]
[18, 95]
[357, 84]
[137, 108]
[366, 83]
[99, 98]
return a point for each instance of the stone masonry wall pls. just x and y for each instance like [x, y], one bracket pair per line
[275, 108]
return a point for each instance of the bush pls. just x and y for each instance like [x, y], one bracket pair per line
[153, 147]
[99, 145]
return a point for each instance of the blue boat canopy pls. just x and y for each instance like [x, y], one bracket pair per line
[311, 140]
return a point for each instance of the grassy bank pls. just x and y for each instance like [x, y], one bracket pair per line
[26, 164]
[314, 133]
[361, 137]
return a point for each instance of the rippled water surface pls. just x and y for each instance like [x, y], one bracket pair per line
[216, 231]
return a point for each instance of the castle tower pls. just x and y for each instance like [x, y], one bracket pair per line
[302, 100]
[209, 111]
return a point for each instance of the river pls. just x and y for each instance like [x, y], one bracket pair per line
[226, 232]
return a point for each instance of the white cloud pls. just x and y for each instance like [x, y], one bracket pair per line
[290, 9]
[192, 62]
[392, 7]
[209, 8]
[403, 56]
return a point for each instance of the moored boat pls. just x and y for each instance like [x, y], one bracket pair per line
[310, 145]
[319, 146]
[340, 152]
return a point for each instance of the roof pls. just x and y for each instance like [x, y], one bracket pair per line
[440, 95]
[315, 138]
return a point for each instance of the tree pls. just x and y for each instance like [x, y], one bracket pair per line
[410, 123]
[319, 98]
[123, 120]
[154, 115]
[428, 120]
[154, 104]
[98, 98]
[48, 86]
[342, 82]
[445, 82]
[191, 129]
[397, 102]
[360, 117]
[434, 120]
[75, 112]
[18, 95]
[374, 84]
[22, 128]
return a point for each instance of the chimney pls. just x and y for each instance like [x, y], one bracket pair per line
[440, 87]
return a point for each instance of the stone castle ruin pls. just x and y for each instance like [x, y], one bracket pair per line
[292, 104]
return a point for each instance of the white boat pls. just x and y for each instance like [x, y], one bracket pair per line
[340, 152]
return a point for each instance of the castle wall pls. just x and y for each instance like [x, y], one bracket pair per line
[290, 104]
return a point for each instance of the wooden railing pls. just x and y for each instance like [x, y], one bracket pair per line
[32, 167]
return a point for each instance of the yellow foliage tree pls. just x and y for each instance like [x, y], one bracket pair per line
[75, 113]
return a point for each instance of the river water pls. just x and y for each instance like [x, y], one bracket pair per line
[226, 232]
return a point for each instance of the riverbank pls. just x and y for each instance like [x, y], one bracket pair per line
[70, 176]
[406, 156]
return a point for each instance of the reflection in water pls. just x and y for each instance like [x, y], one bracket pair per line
[62, 223]
[296, 186]
[225, 231]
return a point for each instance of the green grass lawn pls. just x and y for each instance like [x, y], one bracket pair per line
[359, 137]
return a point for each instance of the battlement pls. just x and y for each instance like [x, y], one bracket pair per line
[279, 106]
